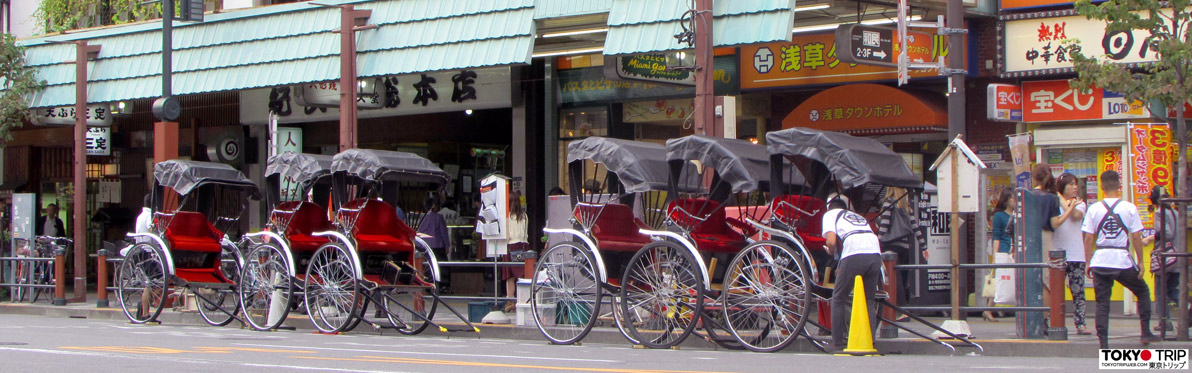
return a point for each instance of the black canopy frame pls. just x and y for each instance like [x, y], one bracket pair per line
[217, 190]
[399, 178]
[739, 177]
[312, 174]
[605, 170]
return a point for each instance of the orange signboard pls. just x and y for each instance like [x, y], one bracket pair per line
[1150, 163]
[810, 59]
[866, 107]
[1019, 4]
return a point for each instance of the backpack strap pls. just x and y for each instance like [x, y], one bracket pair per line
[1110, 213]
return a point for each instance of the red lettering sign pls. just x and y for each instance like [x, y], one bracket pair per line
[1055, 101]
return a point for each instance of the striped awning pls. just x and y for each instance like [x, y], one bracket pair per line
[644, 26]
[285, 45]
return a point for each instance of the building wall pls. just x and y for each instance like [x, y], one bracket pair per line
[23, 23]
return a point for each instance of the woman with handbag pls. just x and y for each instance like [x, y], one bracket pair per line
[898, 231]
[1068, 237]
[1002, 241]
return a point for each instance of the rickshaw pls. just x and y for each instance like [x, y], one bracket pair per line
[275, 264]
[194, 203]
[860, 168]
[611, 182]
[667, 288]
[374, 257]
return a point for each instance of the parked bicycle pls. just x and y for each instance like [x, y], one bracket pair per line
[36, 274]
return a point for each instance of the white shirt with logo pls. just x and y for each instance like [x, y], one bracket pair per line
[864, 242]
[1113, 239]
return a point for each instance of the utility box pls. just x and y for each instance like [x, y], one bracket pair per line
[967, 172]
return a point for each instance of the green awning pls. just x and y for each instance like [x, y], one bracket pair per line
[644, 26]
[285, 45]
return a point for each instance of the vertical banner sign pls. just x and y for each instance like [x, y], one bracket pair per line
[289, 139]
[1150, 164]
[939, 246]
[1020, 149]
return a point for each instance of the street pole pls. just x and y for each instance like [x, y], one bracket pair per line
[704, 96]
[955, 21]
[1181, 182]
[349, 17]
[167, 48]
[83, 52]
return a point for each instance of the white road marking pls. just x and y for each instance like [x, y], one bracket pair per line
[174, 359]
[428, 353]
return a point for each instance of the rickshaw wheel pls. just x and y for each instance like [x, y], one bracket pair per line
[662, 294]
[766, 296]
[218, 305]
[419, 301]
[619, 317]
[266, 288]
[141, 283]
[332, 291]
[565, 293]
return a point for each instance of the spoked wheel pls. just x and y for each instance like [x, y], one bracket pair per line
[619, 318]
[662, 293]
[332, 291]
[411, 305]
[766, 296]
[218, 305]
[141, 283]
[266, 287]
[42, 275]
[565, 294]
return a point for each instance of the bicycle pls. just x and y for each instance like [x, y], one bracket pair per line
[34, 277]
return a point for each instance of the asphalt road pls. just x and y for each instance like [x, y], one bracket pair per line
[40, 344]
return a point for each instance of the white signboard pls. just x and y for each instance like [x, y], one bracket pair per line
[326, 94]
[99, 141]
[289, 139]
[939, 247]
[1036, 46]
[97, 116]
[444, 91]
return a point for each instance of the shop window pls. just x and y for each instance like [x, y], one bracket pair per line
[583, 122]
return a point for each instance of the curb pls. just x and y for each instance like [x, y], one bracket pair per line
[1083, 348]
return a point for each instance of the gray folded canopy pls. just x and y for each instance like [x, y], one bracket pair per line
[184, 176]
[640, 166]
[371, 164]
[742, 164]
[299, 167]
[853, 160]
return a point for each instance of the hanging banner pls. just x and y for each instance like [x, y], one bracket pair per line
[1020, 150]
[1150, 164]
[1108, 159]
[289, 139]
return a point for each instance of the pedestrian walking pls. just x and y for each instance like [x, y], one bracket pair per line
[1069, 239]
[1111, 227]
[849, 234]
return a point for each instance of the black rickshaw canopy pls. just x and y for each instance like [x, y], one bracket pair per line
[184, 176]
[639, 165]
[299, 167]
[855, 161]
[372, 164]
[742, 164]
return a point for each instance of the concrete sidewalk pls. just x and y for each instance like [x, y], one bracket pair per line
[997, 338]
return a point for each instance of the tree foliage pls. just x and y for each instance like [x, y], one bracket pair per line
[63, 15]
[19, 83]
[1166, 23]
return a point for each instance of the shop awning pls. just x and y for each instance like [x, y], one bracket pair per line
[871, 109]
[284, 45]
[636, 26]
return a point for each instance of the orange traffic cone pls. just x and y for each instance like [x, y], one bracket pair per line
[860, 335]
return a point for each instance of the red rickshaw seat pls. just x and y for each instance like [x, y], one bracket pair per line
[714, 233]
[378, 229]
[190, 231]
[617, 229]
[307, 218]
[809, 227]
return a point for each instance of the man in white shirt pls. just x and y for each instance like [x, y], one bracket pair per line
[49, 224]
[860, 254]
[1110, 228]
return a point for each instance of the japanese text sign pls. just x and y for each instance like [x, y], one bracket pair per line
[1151, 154]
[99, 141]
[811, 59]
[96, 116]
[1036, 46]
[1057, 101]
[451, 90]
[855, 107]
[1004, 102]
[289, 139]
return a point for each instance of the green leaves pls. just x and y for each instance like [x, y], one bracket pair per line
[19, 83]
[63, 15]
